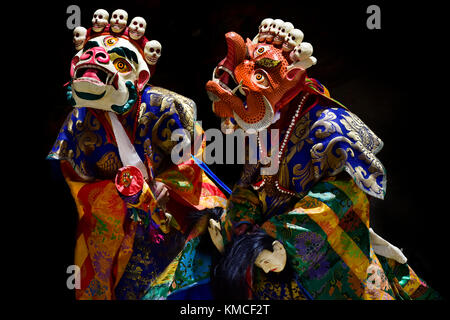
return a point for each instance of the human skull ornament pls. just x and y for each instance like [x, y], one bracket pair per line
[302, 56]
[293, 39]
[118, 20]
[152, 52]
[264, 29]
[273, 29]
[100, 20]
[137, 27]
[304, 63]
[301, 52]
[283, 31]
[79, 37]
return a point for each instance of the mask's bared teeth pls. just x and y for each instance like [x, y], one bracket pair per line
[223, 85]
[115, 81]
[237, 87]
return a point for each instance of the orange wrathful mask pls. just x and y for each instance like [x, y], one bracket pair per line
[265, 82]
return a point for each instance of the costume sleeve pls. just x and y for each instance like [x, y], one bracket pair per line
[161, 113]
[243, 207]
[327, 141]
[164, 112]
[77, 137]
[344, 142]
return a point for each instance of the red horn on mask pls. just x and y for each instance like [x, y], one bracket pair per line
[235, 55]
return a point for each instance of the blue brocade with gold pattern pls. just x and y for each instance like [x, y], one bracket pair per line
[325, 141]
[87, 142]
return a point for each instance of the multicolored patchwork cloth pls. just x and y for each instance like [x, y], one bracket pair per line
[188, 275]
[319, 212]
[326, 236]
[119, 249]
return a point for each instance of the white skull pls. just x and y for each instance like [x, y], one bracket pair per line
[293, 39]
[305, 64]
[79, 36]
[301, 52]
[152, 52]
[264, 29]
[273, 29]
[118, 20]
[136, 29]
[100, 20]
[283, 31]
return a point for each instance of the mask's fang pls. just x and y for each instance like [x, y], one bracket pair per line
[238, 87]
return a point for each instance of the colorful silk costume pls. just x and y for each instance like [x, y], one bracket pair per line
[188, 275]
[106, 230]
[316, 205]
[324, 227]
[120, 248]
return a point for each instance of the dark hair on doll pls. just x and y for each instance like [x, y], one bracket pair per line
[195, 216]
[229, 276]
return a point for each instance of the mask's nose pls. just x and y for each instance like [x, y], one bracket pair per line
[96, 55]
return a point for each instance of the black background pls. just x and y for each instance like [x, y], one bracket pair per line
[393, 79]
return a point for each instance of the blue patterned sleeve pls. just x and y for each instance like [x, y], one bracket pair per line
[76, 138]
[341, 141]
[162, 112]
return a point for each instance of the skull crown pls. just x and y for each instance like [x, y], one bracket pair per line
[116, 25]
[285, 36]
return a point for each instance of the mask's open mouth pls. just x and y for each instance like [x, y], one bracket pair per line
[96, 75]
[225, 78]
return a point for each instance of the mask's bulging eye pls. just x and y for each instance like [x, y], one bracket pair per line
[122, 65]
[259, 51]
[260, 79]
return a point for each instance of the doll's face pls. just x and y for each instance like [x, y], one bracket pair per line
[107, 73]
[274, 261]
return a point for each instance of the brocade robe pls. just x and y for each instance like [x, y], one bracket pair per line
[119, 249]
[317, 206]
